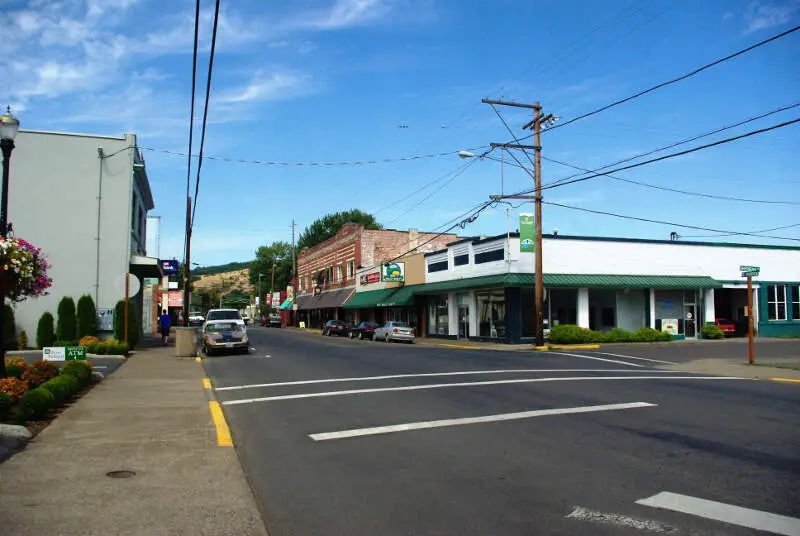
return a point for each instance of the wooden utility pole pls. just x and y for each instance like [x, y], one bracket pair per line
[750, 342]
[187, 267]
[294, 256]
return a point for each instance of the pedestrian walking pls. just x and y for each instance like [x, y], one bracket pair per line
[164, 322]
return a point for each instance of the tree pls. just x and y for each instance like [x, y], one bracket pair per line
[45, 332]
[133, 323]
[327, 226]
[87, 317]
[66, 325]
[279, 253]
[9, 329]
[235, 299]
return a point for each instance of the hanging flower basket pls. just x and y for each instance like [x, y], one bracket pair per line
[23, 270]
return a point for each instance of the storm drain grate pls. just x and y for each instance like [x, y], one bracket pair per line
[121, 474]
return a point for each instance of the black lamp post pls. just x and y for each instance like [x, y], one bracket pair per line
[9, 125]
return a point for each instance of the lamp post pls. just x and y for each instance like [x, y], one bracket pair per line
[259, 292]
[9, 126]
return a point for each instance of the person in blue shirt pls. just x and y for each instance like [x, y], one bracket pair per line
[164, 322]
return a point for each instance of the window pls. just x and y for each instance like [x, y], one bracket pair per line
[338, 272]
[438, 320]
[796, 302]
[491, 313]
[461, 260]
[351, 269]
[437, 266]
[776, 302]
[489, 256]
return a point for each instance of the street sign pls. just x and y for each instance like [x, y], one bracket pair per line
[752, 273]
[745, 268]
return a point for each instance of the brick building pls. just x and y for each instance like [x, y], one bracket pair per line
[326, 273]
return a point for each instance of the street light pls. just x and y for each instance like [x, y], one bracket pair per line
[9, 126]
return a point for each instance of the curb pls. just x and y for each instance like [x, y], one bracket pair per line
[224, 438]
[569, 347]
[785, 380]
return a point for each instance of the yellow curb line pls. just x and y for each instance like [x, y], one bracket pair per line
[223, 432]
[785, 380]
[540, 348]
[459, 346]
[206, 383]
[575, 347]
[198, 359]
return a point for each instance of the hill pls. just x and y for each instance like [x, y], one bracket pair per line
[221, 268]
[225, 281]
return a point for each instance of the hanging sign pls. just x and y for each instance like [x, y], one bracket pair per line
[527, 233]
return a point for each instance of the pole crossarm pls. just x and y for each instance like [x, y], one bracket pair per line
[510, 103]
[515, 146]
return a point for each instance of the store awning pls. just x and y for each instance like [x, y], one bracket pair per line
[142, 266]
[287, 304]
[326, 300]
[388, 297]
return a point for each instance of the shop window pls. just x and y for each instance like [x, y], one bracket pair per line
[338, 273]
[776, 302]
[608, 316]
[461, 260]
[351, 269]
[796, 302]
[492, 313]
[490, 256]
[437, 267]
[438, 320]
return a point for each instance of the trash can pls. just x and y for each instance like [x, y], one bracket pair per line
[185, 342]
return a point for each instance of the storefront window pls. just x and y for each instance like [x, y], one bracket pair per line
[678, 310]
[491, 313]
[438, 320]
[776, 302]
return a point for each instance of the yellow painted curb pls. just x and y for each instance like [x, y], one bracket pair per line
[575, 347]
[459, 346]
[198, 359]
[785, 380]
[540, 348]
[206, 383]
[223, 432]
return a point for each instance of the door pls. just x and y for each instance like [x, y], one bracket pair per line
[463, 321]
[690, 320]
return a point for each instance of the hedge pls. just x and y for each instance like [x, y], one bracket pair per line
[572, 334]
[67, 324]
[15, 371]
[9, 328]
[133, 323]
[81, 370]
[45, 332]
[87, 317]
[712, 331]
[62, 387]
[65, 343]
[33, 404]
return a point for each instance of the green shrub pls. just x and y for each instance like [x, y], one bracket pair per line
[133, 323]
[97, 349]
[22, 340]
[5, 406]
[712, 331]
[65, 343]
[67, 323]
[34, 404]
[9, 328]
[61, 387]
[81, 370]
[652, 335]
[40, 372]
[569, 334]
[15, 371]
[572, 334]
[45, 332]
[116, 349]
[619, 335]
[87, 317]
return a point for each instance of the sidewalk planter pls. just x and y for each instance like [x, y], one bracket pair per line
[185, 342]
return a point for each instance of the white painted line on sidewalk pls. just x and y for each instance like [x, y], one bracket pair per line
[639, 358]
[470, 384]
[424, 425]
[427, 375]
[597, 358]
[736, 515]
[99, 367]
[619, 520]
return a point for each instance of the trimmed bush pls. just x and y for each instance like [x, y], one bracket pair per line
[81, 370]
[5, 406]
[67, 323]
[97, 349]
[40, 372]
[9, 328]
[652, 335]
[712, 331]
[22, 340]
[572, 334]
[87, 317]
[34, 404]
[45, 332]
[65, 343]
[116, 349]
[133, 323]
[61, 387]
[13, 388]
[15, 371]
[88, 340]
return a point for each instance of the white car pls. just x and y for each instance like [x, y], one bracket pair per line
[196, 318]
[225, 335]
[394, 331]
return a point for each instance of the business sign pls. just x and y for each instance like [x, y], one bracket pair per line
[393, 272]
[368, 279]
[64, 353]
[175, 298]
[268, 300]
[170, 267]
[290, 293]
[105, 319]
[172, 285]
[670, 325]
[276, 299]
[527, 233]
[75, 353]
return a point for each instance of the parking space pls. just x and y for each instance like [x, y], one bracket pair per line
[384, 439]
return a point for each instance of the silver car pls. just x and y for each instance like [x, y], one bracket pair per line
[394, 331]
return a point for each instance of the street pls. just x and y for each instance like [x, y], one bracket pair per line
[347, 437]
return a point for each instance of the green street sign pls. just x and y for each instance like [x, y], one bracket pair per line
[753, 273]
[745, 268]
[75, 353]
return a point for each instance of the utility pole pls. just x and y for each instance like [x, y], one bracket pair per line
[294, 256]
[750, 344]
[536, 125]
[187, 267]
[272, 283]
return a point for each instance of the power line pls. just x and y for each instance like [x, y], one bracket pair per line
[676, 190]
[782, 227]
[205, 108]
[191, 114]
[673, 224]
[516, 140]
[422, 189]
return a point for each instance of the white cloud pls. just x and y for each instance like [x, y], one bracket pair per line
[345, 13]
[266, 87]
[764, 14]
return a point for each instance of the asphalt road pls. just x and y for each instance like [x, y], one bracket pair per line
[605, 436]
[766, 350]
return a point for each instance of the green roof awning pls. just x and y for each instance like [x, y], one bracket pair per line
[401, 297]
[388, 297]
[285, 305]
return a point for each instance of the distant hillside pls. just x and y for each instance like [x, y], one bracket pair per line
[221, 268]
[227, 281]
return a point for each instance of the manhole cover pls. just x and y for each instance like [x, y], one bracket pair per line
[120, 474]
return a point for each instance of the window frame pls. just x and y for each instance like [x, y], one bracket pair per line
[795, 301]
[773, 303]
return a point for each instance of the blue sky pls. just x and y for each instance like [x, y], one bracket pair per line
[335, 80]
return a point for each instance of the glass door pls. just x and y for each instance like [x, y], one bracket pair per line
[690, 319]
[463, 321]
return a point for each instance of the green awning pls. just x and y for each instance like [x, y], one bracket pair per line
[286, 305]
[401, 297]
[388, 297]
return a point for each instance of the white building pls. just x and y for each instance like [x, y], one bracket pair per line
[84, 200]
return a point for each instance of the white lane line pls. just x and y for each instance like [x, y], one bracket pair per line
[426, 375]
[736, 515]
[597, 359]
[424, 425]
[470, 384]
[619, 520]
[639, 358]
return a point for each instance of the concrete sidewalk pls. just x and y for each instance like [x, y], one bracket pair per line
[151, 417]
[775, 369]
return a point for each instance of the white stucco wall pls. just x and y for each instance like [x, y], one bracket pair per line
[53, 204]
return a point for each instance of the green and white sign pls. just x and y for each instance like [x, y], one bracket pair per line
[64, 353]
[393, 272]
[527, 233]
[75, 353]
[750, 271]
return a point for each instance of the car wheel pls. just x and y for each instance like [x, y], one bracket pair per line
[386, 338]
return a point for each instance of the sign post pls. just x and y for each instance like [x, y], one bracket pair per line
[749, 272]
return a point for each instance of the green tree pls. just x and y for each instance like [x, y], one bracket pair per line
[327, 226]
[9, 328]
[87, 317]
[66, 326]
[235, 299]
[133, 323]
[45, 332]
[278, 253]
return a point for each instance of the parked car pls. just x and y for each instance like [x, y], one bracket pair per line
[224, 314]
[728, 327]
[394, 331]
[196, 318]
[364, 330]
[246, 318]
[274, 320]
[222, 335]
[337, 327]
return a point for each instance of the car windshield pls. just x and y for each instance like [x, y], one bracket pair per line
[724, 321]
[223, 315]
[222, 326]
[398, 324]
